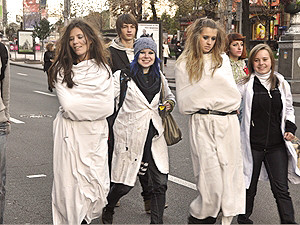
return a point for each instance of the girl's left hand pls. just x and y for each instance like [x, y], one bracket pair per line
[168, 106]
[288, 136]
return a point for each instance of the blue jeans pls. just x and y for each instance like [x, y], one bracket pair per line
[4, 127]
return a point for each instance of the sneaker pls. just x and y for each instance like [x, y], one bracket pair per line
[107, 215]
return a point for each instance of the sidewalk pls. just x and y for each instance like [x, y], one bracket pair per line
[168, 71]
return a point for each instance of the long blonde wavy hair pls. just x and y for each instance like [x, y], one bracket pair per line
[193, 54]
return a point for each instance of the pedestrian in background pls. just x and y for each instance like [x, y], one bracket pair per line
[122, 54]
[178, 49]
[207, 92]
[48, 59]
[4, 121]
[84, 87]
[166, 52]
[140, 146]
[268, 126]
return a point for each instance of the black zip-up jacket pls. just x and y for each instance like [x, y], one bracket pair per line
[265, 127]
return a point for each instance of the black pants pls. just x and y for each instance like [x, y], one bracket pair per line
[165, 60]
[276, 163]
[158, 197]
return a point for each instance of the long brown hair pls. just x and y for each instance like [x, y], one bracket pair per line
[236, 37]
[66, 57]
[272, 78]
[193, 53]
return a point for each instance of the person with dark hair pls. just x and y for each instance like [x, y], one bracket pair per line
[268, 126]
[121, 48]
[122, 54]
[178, 49]
[4, 122]
[140, 147]
[84, 87]
[236, 50]
[207, 92]
[48, 59]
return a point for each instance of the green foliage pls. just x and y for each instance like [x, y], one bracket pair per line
[12, 30]
[169, 24]
[42, 29]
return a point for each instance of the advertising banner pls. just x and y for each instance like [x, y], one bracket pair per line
[25, 42]
[31, 13]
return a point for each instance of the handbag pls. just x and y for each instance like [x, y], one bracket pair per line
[172, 132]
[296, 144]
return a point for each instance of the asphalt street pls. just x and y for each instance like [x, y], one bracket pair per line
[29, 163]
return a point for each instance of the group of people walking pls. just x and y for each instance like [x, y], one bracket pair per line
[108, 129]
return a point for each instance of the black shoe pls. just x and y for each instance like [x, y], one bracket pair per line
[50, 89]
[208, 220]
[107, 215]
[242, 219]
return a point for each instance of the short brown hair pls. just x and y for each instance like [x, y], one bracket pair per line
[128, 19]
[49, 46]
[236, 37]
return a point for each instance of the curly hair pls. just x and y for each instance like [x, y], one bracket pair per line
[193, 54]
[65, 57]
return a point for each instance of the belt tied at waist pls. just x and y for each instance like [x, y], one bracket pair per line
[215, 112]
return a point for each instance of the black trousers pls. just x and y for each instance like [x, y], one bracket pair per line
[158, 197]
[165, 60]
[276, 163]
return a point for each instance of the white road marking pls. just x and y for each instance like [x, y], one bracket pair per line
[182, 182]
[36, 176]
[44, 93]
[15, 120]
[23, 74]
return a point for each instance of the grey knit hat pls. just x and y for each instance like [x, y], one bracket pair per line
[143, 43]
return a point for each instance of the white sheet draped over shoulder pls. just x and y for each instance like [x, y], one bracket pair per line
[80, 132]
[215, 140]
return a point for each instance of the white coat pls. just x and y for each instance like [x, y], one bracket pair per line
[166, 51]
[80, 155]
[131, 129]
[246, 91]
[215, 140]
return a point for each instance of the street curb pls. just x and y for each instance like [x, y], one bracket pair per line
[26, 66]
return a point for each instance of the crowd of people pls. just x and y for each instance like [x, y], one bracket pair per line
[241, 123]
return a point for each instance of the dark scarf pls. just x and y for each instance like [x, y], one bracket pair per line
[149, 84]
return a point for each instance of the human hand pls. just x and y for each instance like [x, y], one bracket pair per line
[168, 106]
[288, 136]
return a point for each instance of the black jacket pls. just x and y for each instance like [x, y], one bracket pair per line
[47, 60]
[119, 59]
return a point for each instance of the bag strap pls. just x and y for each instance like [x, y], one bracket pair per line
[162, 92]
[124, 78]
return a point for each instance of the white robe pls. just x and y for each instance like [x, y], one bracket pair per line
[246, 91]
[215, 140]
[80, 156]
[131, 129]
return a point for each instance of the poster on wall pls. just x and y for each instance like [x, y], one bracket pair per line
[153, 30]
[25, 42]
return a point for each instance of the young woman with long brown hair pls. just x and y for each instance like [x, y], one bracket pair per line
[84, 88]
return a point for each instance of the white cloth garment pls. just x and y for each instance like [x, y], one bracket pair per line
[215, 140]
[80, 156]
[246, 91]
[131, 129]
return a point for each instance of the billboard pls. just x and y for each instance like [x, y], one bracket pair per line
[25, 42]
[153, 30]
[31, 13]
